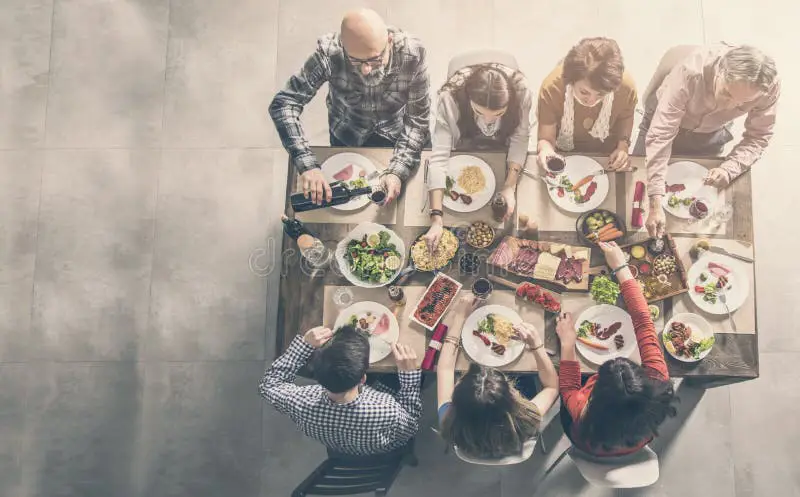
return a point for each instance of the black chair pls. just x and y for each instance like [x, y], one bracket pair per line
[343, 474]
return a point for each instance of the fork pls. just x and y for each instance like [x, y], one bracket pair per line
[722, 298]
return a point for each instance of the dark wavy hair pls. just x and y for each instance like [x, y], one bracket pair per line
[340, 364]
[487, 86]
[488, 417]
[626, 406]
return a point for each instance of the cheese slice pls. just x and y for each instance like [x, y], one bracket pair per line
[568, 251]
[556, 247]
[546, 267]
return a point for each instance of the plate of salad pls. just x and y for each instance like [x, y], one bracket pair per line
[688, 337]
[581, 187]
[605, 332]
[353, 170]
[371, 255]
[375, 320]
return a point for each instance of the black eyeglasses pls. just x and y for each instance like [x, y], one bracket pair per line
[372, 62]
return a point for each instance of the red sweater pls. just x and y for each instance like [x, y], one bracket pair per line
[574, 397]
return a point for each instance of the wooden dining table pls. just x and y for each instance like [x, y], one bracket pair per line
[306, 294]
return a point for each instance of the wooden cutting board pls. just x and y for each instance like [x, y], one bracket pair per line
[510, 246]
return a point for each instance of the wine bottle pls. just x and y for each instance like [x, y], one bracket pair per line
[294, 228]
[341, 194]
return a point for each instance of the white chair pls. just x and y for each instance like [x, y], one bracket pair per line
[636, 470]
[481, 57]
[669, 60]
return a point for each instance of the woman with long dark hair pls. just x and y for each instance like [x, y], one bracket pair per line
[487, 414]
[481, 107]
[619, 409]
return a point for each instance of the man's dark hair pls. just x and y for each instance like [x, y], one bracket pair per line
[341, 363]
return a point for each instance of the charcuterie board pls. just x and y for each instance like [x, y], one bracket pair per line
[565, 266]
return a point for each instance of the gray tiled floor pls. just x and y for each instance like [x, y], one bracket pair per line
[140, 183]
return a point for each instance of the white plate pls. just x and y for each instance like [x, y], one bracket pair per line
[738, 279]
[379, 345]
[454, 167]
[605, 315]
[577, 168]
[336, 163]
[691, 175]
[367, 228]
[474, 346]
[700, 328]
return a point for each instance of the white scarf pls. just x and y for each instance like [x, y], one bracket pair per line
[600, 130]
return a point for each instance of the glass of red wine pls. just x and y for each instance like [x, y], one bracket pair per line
[482, 288]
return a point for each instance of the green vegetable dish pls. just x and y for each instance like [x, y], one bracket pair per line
[604, 291]
[358, 183]
[373, 259]
[585, 329]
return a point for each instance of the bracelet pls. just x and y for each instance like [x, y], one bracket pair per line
[436, 212]
[615, 271]
[539, 347]
[451, 340]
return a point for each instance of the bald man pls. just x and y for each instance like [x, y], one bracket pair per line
[378, 97]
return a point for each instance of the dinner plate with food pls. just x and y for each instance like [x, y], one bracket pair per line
[470, 183]
[686, 196]
[713, 275]
[353, 170]
[605, 332]
[488, 336]
[688, 337]
[377, 321]
[580, 187]
[371, 255]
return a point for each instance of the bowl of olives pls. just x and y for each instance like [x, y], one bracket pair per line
[480, 235]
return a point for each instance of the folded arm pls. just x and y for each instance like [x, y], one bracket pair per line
[277, 386]
[758, 130]
[288, 104]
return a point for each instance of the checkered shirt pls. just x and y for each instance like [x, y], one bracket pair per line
[397, 109]
[374, 423]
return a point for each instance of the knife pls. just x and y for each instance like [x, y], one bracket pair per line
[722, 251]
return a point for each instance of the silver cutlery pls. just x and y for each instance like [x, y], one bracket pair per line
[722, 251]
[722, 298]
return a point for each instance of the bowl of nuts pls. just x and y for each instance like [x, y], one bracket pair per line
[480, 235]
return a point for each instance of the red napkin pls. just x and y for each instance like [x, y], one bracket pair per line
[434, 346]
[637, 218]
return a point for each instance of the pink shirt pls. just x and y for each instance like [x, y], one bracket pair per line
[686, 100]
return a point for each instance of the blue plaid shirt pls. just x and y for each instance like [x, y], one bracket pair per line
[377, 421]
[397, 109]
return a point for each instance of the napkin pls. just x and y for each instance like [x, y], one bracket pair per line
[434, 346]
[637, 219]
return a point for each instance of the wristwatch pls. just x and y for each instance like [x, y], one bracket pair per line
[436, 212]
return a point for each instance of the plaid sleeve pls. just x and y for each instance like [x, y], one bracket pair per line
[410, 399]
[288, 104]
[277, 386]
[416, 124]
